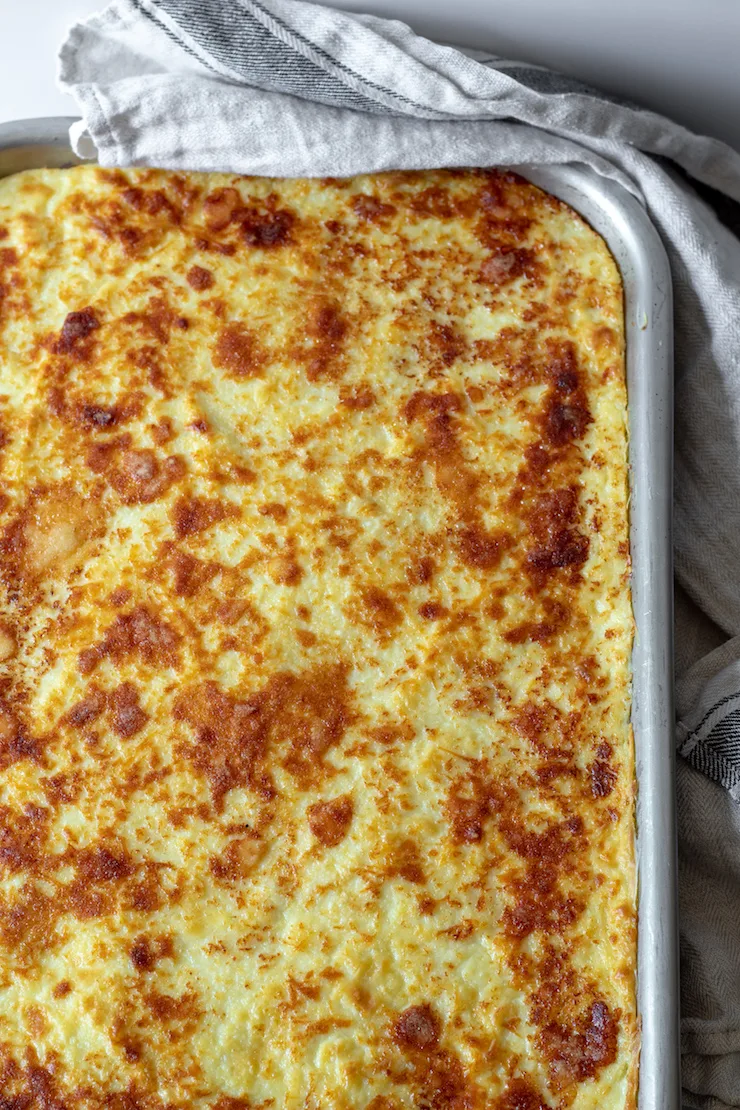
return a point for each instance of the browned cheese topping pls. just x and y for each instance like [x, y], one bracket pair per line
[316, 777]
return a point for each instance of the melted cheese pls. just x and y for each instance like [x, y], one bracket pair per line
[317, 779]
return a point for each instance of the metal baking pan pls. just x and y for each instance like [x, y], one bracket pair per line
[29, 144]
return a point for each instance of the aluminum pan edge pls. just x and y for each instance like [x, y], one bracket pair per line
[634, 242]
[646, 279]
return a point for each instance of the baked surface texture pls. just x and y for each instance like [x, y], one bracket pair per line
[316, 774]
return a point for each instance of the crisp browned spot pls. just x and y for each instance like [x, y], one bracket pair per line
[239, 859]
[565, 422]
[566, 413]
[146, 951]
[539, 903]
[64, 788]
[540, 631]
[150, 359]
[131, 239]
[62, 989]
[418, 1028]
[200, 278]
[383, 1102]
[41, 1087]
[330, 821]
[76, 329]
[481, 549]
[157, 321]
[16, 739]
[128, 716]
[468, 807]
[173, 1010]
[162, 432]
[371, 208]
[141, 477]
[421, 571]
[535, 722]
[94, 417]
[27, 922]
[87, 711]
[8, 642]
[266, 229]
[379, 611]
[142, 954]
[225, 249]
[495, 609]
[23, 838]
[131, 1050]
[455, 478]
[562, 368]
[293, 718]
[102, 865]
[34, 1018]
[435, 408]
[553, 524]
[232, 611]
[274, 509]
[137, 633]
[285, 571]
[47, 534]
[604, 338]
[219, 207]
[98, 417]
[520, 1094]
[238, 352]
[322, 344]
[406, 862]
[190, 574]
[103, 875]
[504, 218]
[603, 778]
[439, 1080]
[393, 732]
[301, 989]
[434, 201]
[462, 931]
[195, 514]
[509, 263]
[358, 397]
[100, 456]
[432, 611]
[579, 1051]
[445, 342]
[152, 202]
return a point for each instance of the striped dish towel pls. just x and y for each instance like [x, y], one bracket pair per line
[290, 88]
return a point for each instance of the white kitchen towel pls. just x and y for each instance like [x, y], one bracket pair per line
[289, 88]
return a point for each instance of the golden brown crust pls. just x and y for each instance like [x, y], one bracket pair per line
[317, 780]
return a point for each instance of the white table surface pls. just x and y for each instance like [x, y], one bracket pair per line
[679, 56]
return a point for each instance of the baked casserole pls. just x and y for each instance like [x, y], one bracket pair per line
[317, 777]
